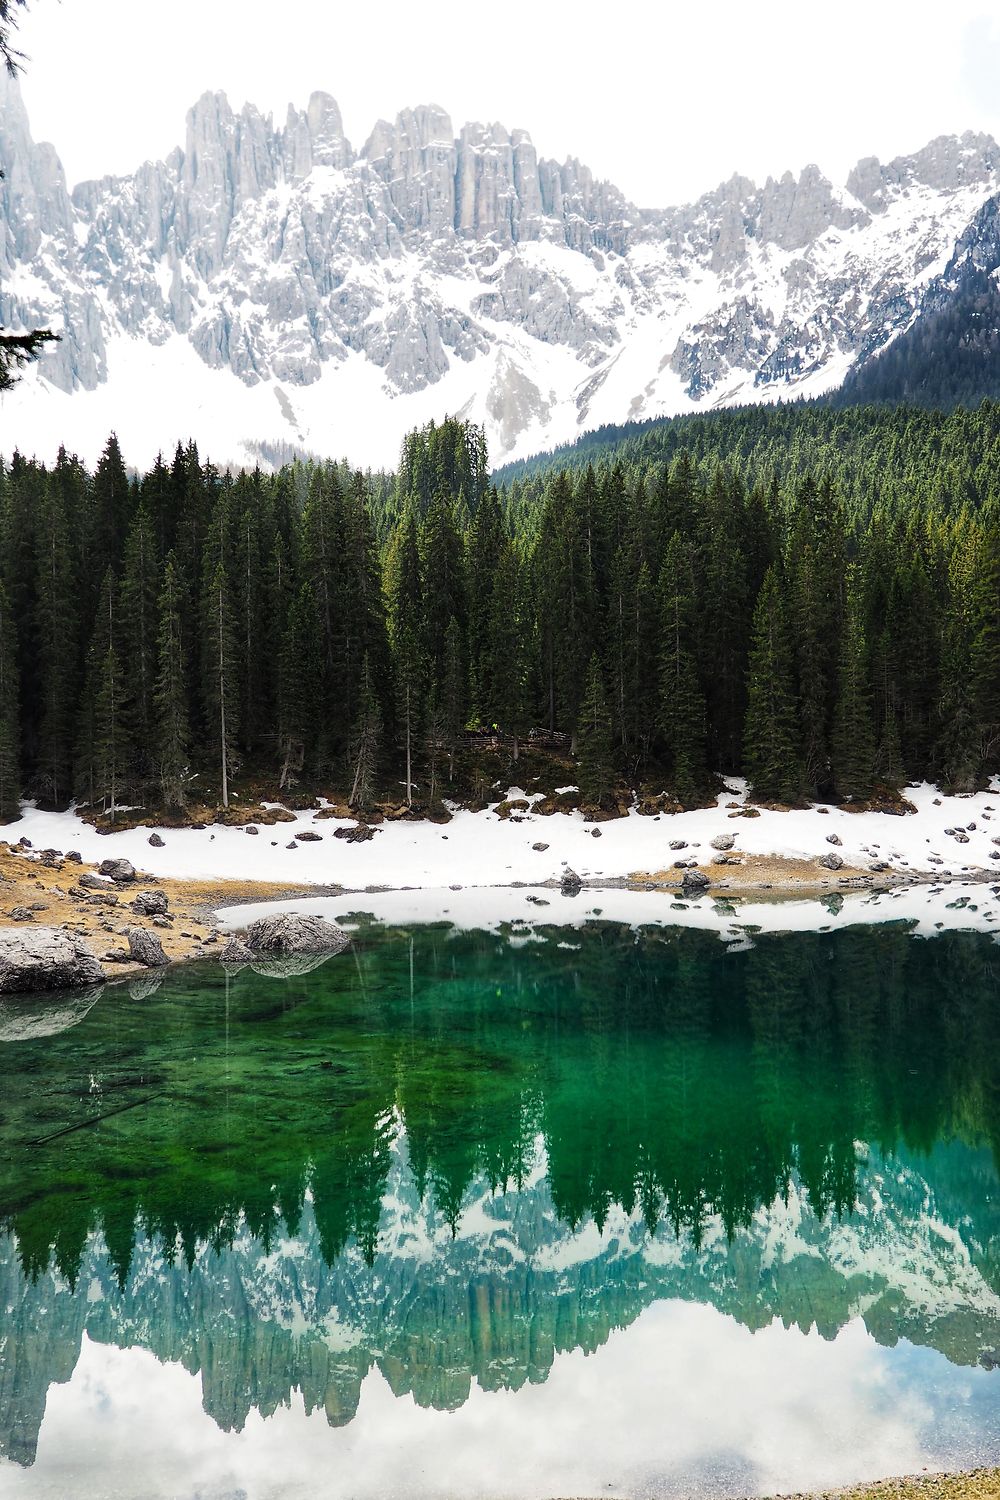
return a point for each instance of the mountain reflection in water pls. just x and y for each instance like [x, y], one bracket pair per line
[452, 1158]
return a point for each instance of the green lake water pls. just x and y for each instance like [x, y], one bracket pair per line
[574, 1212]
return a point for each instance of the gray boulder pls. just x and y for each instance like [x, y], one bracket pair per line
[155, 842]
[91, 882]
[676, 844]
[285, 933]
[309, 837]
[150, 904]
[832, 862]
[45, 958]
[235, 956]
[539, 848]
[833, 838]
[22, 914]
[121, 871]
[724, 842]
[145, 948]
[361, 834]
[695, 880]
[571, 884]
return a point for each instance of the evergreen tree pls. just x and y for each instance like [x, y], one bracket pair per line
[56, 648]
[596, 757]
[138, 619]
[682, 703]
[300, 667]
[854, 749]
[10, 736]
[111, 506]
[104, 745]
[405, 599]
[771, 743]
[222, 684]
[454, 691]
[366, 741]
[170, 697]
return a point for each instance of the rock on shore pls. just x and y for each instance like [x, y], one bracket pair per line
[45, 958]
[285, 933]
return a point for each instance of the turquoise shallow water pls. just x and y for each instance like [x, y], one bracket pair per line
[460, 1213]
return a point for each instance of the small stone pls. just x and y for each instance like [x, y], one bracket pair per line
[309, 837]
[155, 842]
[678, 844]
[595, 833]
[25, 843]
[74, 857]
[292, 845]
[22, 914]
[724, 842]
[571, 884]
[252, 830]
[833, 838]
[539, 848]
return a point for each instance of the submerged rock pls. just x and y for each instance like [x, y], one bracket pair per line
[571, 884]
[45, 958]
[288, 932]
[235, 956]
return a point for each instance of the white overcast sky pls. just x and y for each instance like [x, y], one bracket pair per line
[666, 99]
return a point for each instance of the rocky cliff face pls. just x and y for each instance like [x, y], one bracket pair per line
[268, 281]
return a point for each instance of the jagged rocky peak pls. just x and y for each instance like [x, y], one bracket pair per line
[330, 147]
[793, 212]
[416, 158]
[789, 212]
[945, 165]
[33, 197]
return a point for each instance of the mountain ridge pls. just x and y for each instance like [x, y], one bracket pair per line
[270, 282]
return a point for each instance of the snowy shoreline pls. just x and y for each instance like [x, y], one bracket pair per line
[956, 837]
[483, 871]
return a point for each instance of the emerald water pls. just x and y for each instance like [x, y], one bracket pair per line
[576, 1211]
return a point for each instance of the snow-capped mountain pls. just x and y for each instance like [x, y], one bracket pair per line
[497, 1297]
[271, 284]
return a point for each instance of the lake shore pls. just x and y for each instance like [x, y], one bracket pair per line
[484, 867]
[520, 840]
[978, 1484]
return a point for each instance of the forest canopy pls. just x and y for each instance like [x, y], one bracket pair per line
[810, 598]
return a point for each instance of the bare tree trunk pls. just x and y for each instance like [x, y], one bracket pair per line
[409, 765]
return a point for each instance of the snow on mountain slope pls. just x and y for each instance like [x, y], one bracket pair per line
[272, 284]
